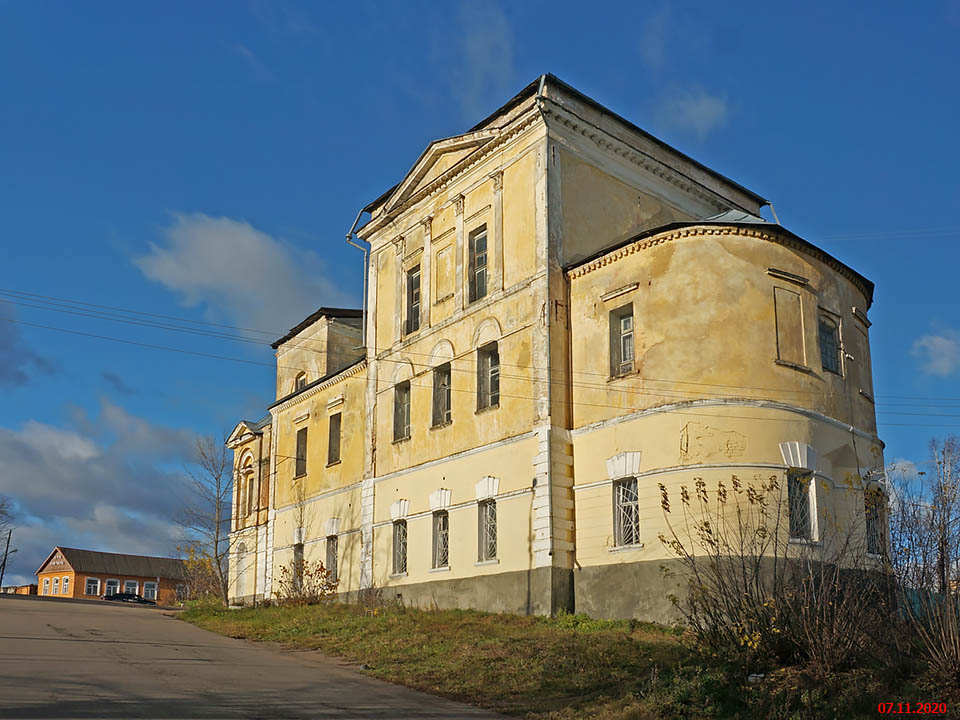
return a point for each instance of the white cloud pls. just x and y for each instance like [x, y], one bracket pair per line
[231, 269]
[485, 73]
[694, 110]
[939, 354]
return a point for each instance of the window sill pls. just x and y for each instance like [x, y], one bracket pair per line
[794, 366]
[335, 462]
[397, 441]
[410, 333]
[445, 568]
[441, 426]
[492, 561]
[621, 376]
[443, 299]
[488, 408]
[626, 548]
[297, 477]
[397, 576]
[801, 541]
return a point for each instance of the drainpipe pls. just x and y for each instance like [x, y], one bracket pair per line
[351, 234]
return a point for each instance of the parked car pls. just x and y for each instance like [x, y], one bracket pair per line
[128, 597]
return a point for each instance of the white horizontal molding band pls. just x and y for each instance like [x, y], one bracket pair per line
[460, 506]
[706, 466]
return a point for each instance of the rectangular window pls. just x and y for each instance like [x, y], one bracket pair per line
[829, 334]
[788, 309]
[65, 587]
[250, 489]
[92, 586]
[441, 539]
[131, 586]
[626, 513]
[488, 376]
[399, 547]
[46, 586]
[621, 340]
[332, 548]
[413, 299]
[112, 587]
[798, 499]
[300, 466]
[488, 530]
[150, 591]
[333, 445]
[56, 586]
[441, 395]
[478, 263]
[874, 501]
[401, 411]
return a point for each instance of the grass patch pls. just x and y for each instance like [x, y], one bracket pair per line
[559, 668]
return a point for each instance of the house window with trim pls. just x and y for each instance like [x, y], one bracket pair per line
[92, 586]
[621, 341]
[441, 539]
[150, 591]
[300, 464]
[441, 395]
[488, 376]
[626, 513]
[112, 587]
[829, 334]
[401, 410]
[46, 586]
[399, 547]
[300, 382]
[333, 444]
[798, 505]
[332, 548]
[478, 263]
[56, 586]
[131, 586]
[413, 299]
[65, 586]
[874, 502]
[487, 540]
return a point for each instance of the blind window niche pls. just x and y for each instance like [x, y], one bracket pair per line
[333, 444]
[300, 464]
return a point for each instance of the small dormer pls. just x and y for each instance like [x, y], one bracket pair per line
[323, 343]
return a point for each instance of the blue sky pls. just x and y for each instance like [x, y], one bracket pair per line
[140, 142]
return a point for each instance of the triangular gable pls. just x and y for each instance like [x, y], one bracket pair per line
[439, 157]
[58, 554]
[242, 429]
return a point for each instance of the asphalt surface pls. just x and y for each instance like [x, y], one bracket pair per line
[63, 659]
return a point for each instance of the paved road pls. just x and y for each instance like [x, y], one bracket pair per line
[61, 659]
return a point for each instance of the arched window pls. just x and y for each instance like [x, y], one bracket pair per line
[300, 382]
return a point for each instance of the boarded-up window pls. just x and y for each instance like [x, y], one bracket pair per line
[789, 313]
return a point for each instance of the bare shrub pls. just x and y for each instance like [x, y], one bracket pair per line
[301, 582]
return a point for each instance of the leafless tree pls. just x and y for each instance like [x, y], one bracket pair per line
[6, 512]
[205, 518]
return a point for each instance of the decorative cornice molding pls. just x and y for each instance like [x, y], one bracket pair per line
[703, 230]
[349, 372]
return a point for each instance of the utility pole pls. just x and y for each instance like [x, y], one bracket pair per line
[6, 552]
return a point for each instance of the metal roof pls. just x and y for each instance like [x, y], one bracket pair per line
[313, 317]
[93, 561]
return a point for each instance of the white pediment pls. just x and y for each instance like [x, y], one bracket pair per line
[439, 157]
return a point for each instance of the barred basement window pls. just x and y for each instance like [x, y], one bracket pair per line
[798, 501]
[300, 466]
[413, 299]
[333, 444]
[478, 263]
[621, 341]
[488, 376]
[332, 547]
[874, 502]
[441, 539]
[488, 530]
[626, 513]
[441, 395]
[829, 333]
[399, 547]
[401, 410]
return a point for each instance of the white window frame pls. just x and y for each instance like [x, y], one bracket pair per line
[150, 590]
[65, 585]
[46, 586]
[811, 505]
[106, 587]
[86, 586]
[56, 586]
[136, 586]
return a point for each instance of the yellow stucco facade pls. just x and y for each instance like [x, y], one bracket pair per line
[556, 303]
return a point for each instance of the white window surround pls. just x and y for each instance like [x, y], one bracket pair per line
[65, 585]
[332, 526]
[439, 499]
[111, 587]
[399, 509]
[46, 586]
[128, 584]
[798, 456]
[623, 465]
[487, 487]
[91, 586]
[150, 590]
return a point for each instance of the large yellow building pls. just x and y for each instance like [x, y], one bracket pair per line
[562, 312]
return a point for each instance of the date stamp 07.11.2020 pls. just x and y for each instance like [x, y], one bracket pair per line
[906, 708]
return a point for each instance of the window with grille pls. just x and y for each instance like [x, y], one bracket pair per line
[333, 444]
[488, 530]
[626, 513]
[621, 340]
[92, 587]
[441, 395]
[829, 333]
[150, 591]
[441, 539]
[798, 500]
[332, 548]
[874, 501]
[413, 299]
[478, 263]
[401, 410]
[488, 376]
[300, 466]
[399, 547]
